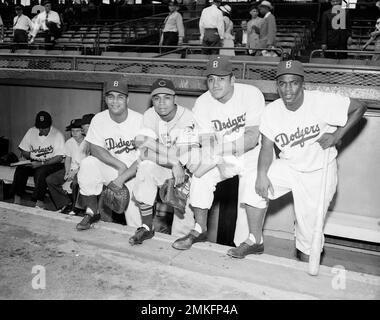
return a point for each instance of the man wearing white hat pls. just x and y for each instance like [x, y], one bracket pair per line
[268, 30]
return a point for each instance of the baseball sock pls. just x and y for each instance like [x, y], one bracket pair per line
[17, 199]
[200, 216]
[255, 217]
[92, 204]
[146, 212]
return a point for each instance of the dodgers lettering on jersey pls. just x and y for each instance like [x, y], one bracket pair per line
[41, 151]
[299, 137]
[229, 125]
[120, 145]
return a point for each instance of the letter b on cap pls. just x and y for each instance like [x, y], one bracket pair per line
[215, 64]
[288, 64]
[116, 83]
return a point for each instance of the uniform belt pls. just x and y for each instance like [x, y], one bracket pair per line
[211, 29]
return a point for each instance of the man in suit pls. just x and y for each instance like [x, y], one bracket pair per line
[268, 30]
[241, 37]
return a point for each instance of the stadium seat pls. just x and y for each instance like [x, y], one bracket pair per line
[323, 61]
[355, 62]
[72, 53]
[38, 51]
[266, 59]
[172, 56]
[197, 56]
[148, 54]
[22, 51]
[110, 54]
[243, 58]
[55, 52]
[374, 63]
[5, 51]
[129, 54]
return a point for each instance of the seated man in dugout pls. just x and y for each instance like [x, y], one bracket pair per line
[43, 145]
[63, 184]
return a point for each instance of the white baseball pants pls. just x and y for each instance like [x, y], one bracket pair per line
[93, 174]
[149, 177]
[306, 189]
[202, 190]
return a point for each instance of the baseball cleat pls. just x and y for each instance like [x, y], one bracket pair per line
[245, 249]
[187, 241]
[87, 221]
[140, 235]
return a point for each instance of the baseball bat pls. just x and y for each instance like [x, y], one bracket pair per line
[316, 242]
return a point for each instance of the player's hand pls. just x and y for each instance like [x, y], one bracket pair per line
[328, 140]
[178, 174]
[262, 186]
[70, 175]
[36, 164]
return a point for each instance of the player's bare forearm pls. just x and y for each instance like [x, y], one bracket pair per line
[265, 156]
[242, 145]
[54, 160]
[355, 112]
[263, 184]
[104, 156]
[164, 156]
[67, 164]
[127, 174]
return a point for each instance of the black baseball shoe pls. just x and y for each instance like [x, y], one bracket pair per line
[305, 257]
[187, 241]
[67, 209]
[140, 235]
[245, 249]
[87, 221]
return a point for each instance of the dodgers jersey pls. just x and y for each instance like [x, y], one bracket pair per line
[117, 138]
[230, 119]
[43, 147]
[295, 132]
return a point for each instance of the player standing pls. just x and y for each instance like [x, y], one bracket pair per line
[162, 126]
[233, 111]
[113, 154]
[302, 124]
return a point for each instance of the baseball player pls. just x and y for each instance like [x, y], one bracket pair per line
[162, 126]
[44, 146]
[232, 111]
[303, 124]
[113, 154]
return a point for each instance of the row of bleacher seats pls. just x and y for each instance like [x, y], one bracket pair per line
[43, 52]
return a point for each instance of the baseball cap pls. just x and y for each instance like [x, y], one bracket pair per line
[226, 9]
[43, 120]
[86, 119]
[290, 67]
[219, 66]
[118, 86]
[74, 124]
[162, 86]
[266, 4]
[47, 2]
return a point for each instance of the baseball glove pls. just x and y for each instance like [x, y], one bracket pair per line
[116, 198]
[175, 196]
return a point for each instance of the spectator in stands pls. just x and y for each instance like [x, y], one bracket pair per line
[375, 36]
[335, 37]
[253, 28]
[268, 29]
[211, 27]
[228, 41]
[59, 182]
[43, 145]
[173, 31]
[21, 25]
[50, 22]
